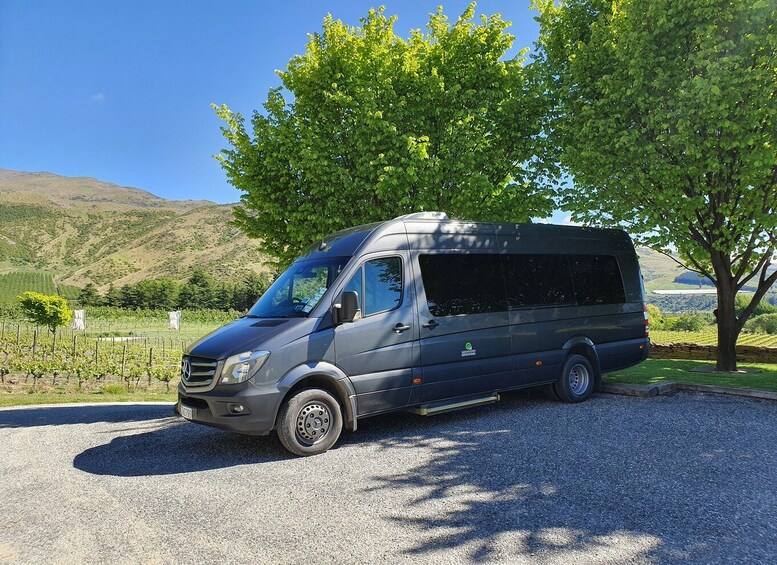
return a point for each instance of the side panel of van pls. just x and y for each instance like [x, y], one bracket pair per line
[464, 333]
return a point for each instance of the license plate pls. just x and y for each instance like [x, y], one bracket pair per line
[186, 411]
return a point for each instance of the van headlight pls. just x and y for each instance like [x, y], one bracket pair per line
[241, 367]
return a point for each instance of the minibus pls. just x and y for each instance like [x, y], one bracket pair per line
[420, 313]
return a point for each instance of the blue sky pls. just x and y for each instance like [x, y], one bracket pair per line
[121, 91]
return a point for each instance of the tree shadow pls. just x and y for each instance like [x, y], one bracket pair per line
[75, 414]
[172, 445]
[611, 480]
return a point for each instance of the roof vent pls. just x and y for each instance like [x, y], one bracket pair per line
[441, 216]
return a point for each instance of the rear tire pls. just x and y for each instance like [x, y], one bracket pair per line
[577, 380]
[310, 422]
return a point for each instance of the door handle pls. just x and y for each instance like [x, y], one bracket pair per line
[431, 324]
[400, 327]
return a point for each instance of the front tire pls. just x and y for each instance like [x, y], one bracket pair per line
[310, 422]
[577, 380]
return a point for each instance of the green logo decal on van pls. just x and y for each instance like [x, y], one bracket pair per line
[468, 351]
[468, 346]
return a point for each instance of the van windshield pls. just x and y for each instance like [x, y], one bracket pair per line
[297, 291]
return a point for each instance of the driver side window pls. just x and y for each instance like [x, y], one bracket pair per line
[378, 283]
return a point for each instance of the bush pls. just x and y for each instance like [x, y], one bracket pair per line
[765, 323]
[655, 317]
[742, 300]
[694, 322]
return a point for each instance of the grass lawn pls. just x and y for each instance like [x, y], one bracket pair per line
[13, 396]
[660, 370]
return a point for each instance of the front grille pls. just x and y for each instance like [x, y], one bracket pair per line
[201, 371]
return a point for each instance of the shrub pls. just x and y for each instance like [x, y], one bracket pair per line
[655, 317]
[765, 323]
[742, 300]
[686, 323]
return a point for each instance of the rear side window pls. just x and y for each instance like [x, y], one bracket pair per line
[538, 280]
[463, 284]
[597, 279]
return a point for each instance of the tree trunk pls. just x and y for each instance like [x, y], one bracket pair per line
[728, 332]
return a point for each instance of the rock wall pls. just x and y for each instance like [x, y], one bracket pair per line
[745, 353]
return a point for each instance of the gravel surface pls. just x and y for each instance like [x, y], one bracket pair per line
[686, 478]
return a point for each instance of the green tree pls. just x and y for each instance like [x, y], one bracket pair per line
[88, 296]
[664, 117]
[50, 311]
[377, 126]
[113, 296]
[248, 291]
[198, 291]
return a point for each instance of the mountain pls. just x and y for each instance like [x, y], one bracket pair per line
[86, 230]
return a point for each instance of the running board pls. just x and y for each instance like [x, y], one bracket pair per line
[428, 410]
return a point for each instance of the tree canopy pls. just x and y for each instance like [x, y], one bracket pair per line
[665, 117]
[50, 311]
[368, 125]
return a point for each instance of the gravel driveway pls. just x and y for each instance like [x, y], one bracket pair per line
[687, 478]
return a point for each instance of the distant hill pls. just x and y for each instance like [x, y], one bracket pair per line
[85, 230]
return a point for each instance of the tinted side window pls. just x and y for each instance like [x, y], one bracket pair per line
[538, 280]
[382, 285]
[597, 279]
[463, 284]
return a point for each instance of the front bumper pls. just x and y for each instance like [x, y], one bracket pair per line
[212, 408]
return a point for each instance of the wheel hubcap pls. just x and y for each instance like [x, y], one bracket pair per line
[313, 422]
[578, 379]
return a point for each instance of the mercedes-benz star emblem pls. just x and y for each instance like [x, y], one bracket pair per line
[186, 369]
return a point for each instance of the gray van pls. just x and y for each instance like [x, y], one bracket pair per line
[420, 313]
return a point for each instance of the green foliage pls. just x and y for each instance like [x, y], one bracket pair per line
[372, 125]
[88, 296]
[200, 292]
[765, 323]
[50, 311]
[666, 118]
[655, 316]
[129, 317]
[764, 307]
[692, 322]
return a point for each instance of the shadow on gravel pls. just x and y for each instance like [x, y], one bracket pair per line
[171, 445]
[63, 415]
[610, 480]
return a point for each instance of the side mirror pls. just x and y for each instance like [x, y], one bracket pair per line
[349, 310]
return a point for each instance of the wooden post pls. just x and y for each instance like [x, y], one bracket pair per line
[2, 333]
[54, 343]
[150, 363]
[18, 331]
[123, 359]
[34, 342]
[96, 350]
[75, 341]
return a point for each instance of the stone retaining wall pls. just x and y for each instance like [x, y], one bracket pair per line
[745, 353]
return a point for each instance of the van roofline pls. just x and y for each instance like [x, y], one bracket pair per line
[350, 241]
